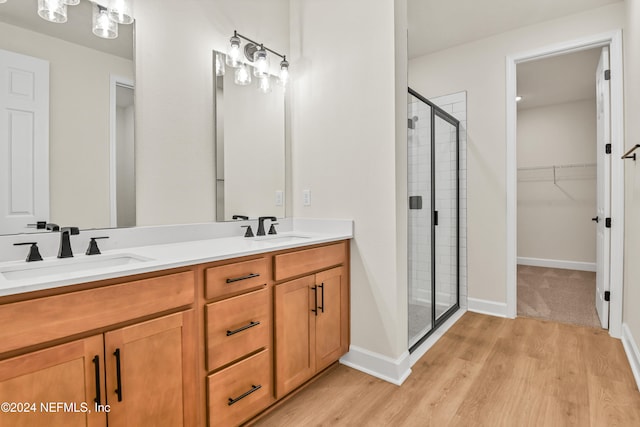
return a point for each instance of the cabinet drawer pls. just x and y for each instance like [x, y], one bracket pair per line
[309, 260]
[240, 391]
[237, 326]
[234, 278]
[50, 318]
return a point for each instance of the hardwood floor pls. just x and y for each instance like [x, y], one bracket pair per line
[485, 371]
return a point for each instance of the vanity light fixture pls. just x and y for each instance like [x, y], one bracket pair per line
[107, 14]
[53, 11]
[257, 54]
[103, 26]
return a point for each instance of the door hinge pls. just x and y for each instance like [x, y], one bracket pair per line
[607, 295]
[607, 222]
[607, 149]
[607, 74]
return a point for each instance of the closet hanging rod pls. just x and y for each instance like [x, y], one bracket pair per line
[628, 155]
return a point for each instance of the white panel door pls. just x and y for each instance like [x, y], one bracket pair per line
[604, 181]
[24, 141]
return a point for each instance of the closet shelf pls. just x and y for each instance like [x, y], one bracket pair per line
[555, 173]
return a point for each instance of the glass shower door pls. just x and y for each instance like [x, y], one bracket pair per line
[445, 214]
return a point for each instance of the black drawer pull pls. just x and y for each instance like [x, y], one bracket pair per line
[118, 390]
[315, 300]
[96, 361]
[244, 328]
[322, 289]
[248, 276]
[243, 395]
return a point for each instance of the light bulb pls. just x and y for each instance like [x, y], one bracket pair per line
[264, 84]
[283, 79]
[120, 11]
[242, 75]
[52, 11]
[103, 26]
[260, 63]
[71, 2]
[220, 69]
[233, 53]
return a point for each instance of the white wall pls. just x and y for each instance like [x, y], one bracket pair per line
[174, 98]
[631, 314]
[479, 68]
[554, 219]
[79, 123]
[344, 150]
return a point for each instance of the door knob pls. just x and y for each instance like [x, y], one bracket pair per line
[596, 219]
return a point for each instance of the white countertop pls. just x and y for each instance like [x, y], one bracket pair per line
[156, 257]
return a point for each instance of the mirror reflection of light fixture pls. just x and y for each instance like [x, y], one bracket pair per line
[53, 11]
[264, 83]
[103, 26]
[71, 2]
[242, 75]
[257, 54]
[220, 64]
[120, 11]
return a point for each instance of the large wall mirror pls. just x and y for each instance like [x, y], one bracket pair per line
[250, 147]
[67, 156]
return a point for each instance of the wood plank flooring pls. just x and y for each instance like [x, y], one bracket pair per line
[485, 371]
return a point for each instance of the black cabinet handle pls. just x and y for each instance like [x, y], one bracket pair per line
[118, 376]
[243, 395]
[435, 217]
[248, 276]
[315, 299]
[244, 328]
[96, 361]
[322, 293]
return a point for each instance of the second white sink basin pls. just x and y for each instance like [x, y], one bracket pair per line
[68, 265]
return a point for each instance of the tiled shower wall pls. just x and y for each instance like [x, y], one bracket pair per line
[419, 159]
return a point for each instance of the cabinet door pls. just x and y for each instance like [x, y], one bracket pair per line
[150, 370]
[294, 333]
[332, 322]
[64, 374]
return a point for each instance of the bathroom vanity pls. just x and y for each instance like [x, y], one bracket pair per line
[212, 339]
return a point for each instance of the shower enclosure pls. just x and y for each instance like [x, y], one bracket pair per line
[434, 218]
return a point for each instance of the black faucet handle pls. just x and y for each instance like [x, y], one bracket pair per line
[52, 227]
[249, 232]
[272, 229]
[34, 253]
[93, 246]
[39, 225]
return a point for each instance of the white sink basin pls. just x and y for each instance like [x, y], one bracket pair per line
[67, 265]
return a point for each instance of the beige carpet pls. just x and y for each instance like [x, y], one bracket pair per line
[566, 296]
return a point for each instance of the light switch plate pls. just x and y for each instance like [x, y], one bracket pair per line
[306, 197]
[279, 197]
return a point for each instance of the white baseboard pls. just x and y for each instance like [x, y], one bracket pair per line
[435, 336]
[633, 354]
[378, 365]
[555, 263]
[491, 308]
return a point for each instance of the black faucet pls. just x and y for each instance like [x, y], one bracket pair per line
[65, 244]
[261, 224]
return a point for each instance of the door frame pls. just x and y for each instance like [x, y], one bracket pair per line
[612, 39]
[115, 81]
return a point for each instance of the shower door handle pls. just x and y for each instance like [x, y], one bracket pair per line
[435, 217]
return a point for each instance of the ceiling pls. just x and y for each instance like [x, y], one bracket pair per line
[436, 25]
[77, 29]
[558, 79]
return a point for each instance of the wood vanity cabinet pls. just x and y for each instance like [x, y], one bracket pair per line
[311, 315]
[144, 370]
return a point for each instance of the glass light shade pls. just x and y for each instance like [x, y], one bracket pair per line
[233, 52]
[283, 78]
[120, 11]
[264, 84]
[3, 1]
[103, 26]
[260, 63]
[52, 11]
[242, 76]
[220, 61]
[71, 2]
